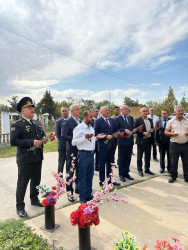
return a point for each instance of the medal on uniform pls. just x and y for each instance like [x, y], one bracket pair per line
[27, 128]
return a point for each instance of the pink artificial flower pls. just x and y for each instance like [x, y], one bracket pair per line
[175, 239]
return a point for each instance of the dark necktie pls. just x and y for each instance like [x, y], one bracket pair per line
[126, 118]
[108, 123]
[164, 124]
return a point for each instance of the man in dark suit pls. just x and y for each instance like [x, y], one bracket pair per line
[61, 142]
[144, 140]
[95, 112]
[163, 141]
[125, 124]
[25, 134]
[107, 126]
[71, 151]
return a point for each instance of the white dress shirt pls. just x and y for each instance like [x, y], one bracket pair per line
[154, 118]
[79, 139]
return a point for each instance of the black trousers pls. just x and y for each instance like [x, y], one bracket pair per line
[124, 159]
[177, 150]
[146, 149]
[164, 149]
[154, 150]
[32, 172]
[61, 158]
[71, 170]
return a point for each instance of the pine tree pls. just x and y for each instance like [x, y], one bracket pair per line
[47, 105]
[170, 102]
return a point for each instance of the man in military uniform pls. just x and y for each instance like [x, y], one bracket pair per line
[29, 139]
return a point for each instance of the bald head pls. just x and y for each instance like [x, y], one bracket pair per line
[144, 112]
[75, 111]
[124, 110]
[105, 111]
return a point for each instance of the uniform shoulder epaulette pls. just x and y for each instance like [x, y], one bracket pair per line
[17, 121]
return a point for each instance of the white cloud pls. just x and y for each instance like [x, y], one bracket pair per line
[103, 34]
[155, 84]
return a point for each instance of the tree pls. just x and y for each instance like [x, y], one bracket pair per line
[184, 103]
[46, 105]
[129, 102]
[170, 102]
[13, 102]
[156, 105]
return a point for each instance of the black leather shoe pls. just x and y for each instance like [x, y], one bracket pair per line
[149, 172]
[140, 173]
[129, 177]
[156, 160]
[161, 171]
[22, 213]
[186, 180]
[96, 169]
[76, 191]
[122, 178]
[71, 198]
[172, 179]
[116, 184]
[168, 169]
[36, 203]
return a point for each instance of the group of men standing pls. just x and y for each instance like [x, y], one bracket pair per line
[78, 141]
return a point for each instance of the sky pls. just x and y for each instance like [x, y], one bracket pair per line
[97, 49]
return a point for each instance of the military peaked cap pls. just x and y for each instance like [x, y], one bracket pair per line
[24, 103]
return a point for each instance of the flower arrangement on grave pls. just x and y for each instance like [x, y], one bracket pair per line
[129, 242]
[51, 137]
[48, 195]
[88, 213]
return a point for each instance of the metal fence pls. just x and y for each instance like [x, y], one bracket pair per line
[4, 138]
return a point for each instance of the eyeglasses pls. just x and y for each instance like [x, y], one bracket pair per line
[144, 111]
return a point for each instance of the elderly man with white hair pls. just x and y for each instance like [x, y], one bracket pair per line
[107, 126]
[177, 129]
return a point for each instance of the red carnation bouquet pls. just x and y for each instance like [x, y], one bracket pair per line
[155, 129]
[85, 216]
[140, 129]
[51, 137]
[48, 196]
[113, 135]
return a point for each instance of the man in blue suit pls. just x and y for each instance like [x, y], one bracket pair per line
[107, 126]
[125, 124]
[61, 142]
[71, 151]
[163, 141]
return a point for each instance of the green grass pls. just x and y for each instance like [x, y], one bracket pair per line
[8, 151]
[14, 235]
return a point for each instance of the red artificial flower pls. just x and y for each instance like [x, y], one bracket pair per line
[45, 202]
[74, 217]
[163, 245]
[52, 194]
[54, 188]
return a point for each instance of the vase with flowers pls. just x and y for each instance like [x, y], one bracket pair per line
[48, 200]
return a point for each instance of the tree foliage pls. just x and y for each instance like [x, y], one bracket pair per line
[13, 103]
[129, 102]
[184, 103]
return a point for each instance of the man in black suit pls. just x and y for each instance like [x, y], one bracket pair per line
[144, 140]
[95, 112]
[71, 151]
[163, 141]
[25, 134]
[61, 142]
[107, 126]
[125, 124]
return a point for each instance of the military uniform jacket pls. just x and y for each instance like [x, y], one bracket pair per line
[23, 135]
